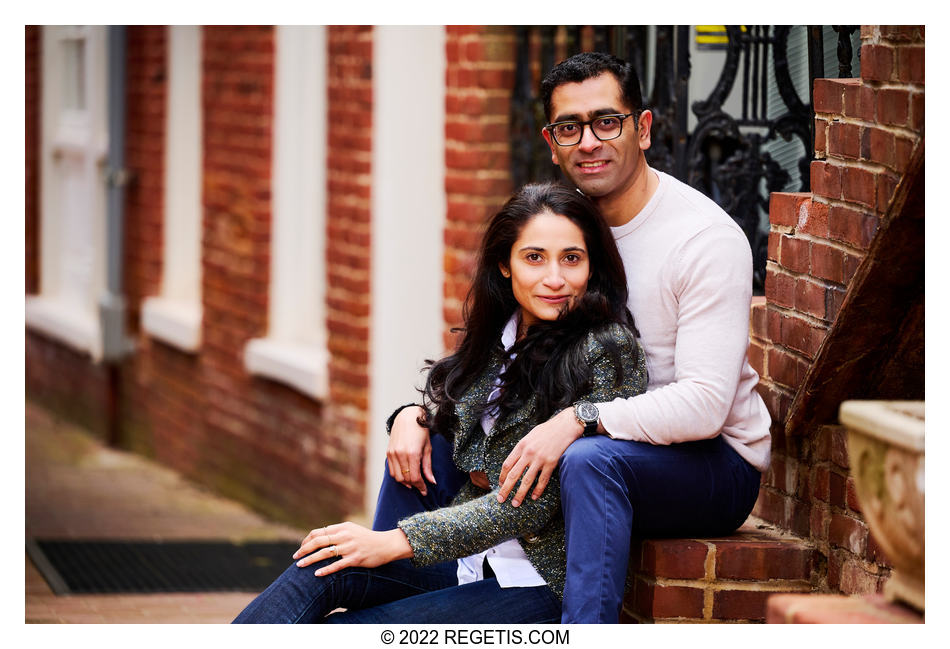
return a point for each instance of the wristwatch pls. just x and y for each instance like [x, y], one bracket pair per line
[587, 415]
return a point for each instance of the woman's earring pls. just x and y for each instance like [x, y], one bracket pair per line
[505, 273]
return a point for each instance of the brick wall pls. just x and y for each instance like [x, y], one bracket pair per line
[865, 131]
[479, 80]
[32, 114]
[202, 413]
[147, 85]
[349, 160]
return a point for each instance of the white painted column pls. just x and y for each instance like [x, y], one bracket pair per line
[408, 219]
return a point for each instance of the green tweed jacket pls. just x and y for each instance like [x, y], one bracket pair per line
[476, 520]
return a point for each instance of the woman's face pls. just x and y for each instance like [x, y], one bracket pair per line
[549, 267]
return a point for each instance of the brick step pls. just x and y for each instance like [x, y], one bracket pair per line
[726, 579]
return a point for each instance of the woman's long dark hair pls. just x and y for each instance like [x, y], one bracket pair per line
[550, 357]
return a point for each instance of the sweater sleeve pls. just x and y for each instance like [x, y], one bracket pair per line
[477, 524]
[481, 522]
[713, 288]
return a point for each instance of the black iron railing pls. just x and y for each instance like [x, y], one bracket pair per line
[725, 147]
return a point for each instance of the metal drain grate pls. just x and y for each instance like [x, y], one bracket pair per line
[73, 567]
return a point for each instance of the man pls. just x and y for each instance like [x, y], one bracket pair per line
[685, 457]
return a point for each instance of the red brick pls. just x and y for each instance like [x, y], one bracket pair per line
[825, 179]
[827, 262]
[780, 289]
[785, 367]
[887, 183]
[798, 521]
[837, 491]
[775, 476]
[770, 505]
[759, 320]
[774, 323]
[819, 519]
[774, 244]
[810, 298]
[834, 569]
[820, 485]
[838, 445]
[673, 558]
[851, 226]
[828, 96]
[881, 146]
[910, 65]
[844, 140]
[859, 185]
[794, 254]
[917, 111]
[834, 298]
[851, 265]
[802, 336]
[905, 33]
[893, 106]
[903, 149]
[740, 604]
[656, 601]
[877, 62]
[760, 561]
[821, 137]
[785, 207]
[813, 219]
[756, 356]
[860, 101]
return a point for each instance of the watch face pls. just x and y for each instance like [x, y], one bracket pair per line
[587, 411]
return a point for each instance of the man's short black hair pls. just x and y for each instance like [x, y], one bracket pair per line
[588, 65]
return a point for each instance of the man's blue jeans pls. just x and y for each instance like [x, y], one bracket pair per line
[614, 490]
[398, 592]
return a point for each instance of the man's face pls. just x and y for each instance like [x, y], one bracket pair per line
[599, 169]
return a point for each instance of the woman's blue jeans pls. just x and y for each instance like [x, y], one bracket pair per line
[615, 490]
[399, 593]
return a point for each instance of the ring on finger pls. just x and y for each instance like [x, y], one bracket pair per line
[336, 553]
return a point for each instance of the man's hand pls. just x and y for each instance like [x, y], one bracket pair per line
[409, 455]
[537, 455]
[355, 545]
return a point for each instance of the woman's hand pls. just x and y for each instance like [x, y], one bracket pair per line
[536, 456]
[409, 453]
[355, 545]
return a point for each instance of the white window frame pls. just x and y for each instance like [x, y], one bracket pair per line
[72, 207]
[408, 223]
[294, 351]
[174, 316]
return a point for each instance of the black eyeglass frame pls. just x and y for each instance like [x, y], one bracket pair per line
[590, 123]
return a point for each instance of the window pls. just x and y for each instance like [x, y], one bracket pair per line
[174, 316]
[72, 189]
[294, 350]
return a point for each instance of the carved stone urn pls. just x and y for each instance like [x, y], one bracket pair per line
[886, 450]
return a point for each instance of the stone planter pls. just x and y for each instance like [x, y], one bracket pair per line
[886, 450]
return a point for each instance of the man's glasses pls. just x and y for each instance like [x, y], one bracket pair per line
[604, 127]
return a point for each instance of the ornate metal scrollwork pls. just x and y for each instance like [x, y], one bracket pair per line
[723, 156]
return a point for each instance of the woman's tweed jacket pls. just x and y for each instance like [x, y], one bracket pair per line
[476, 520]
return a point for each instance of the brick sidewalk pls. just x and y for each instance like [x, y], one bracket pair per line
[77, 488]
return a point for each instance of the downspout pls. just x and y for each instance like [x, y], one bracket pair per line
[112, 309]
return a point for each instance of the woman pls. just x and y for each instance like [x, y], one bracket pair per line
[546, 326]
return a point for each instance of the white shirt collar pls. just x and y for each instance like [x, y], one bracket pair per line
[510, 333]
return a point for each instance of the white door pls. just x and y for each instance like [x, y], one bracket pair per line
[73, 200]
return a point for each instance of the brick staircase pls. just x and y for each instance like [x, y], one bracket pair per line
[726, 579]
